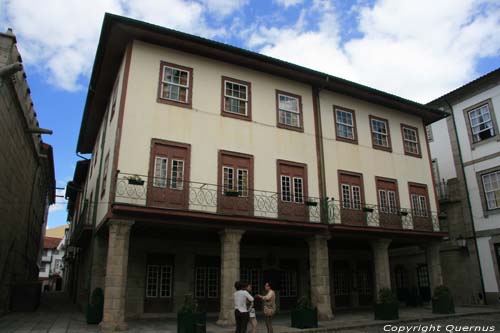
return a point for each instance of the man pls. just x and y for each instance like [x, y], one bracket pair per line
[241, 296]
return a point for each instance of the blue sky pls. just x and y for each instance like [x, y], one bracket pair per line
[418, 50]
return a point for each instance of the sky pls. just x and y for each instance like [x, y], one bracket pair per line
[415, 49]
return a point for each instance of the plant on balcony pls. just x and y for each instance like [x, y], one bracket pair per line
[95, 307]
[189, 318]
[386, 307]
[135, 180]
[232, 193]
[305, 315]
[442, 301]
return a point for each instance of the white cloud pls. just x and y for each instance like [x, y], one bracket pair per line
[224, 7]
[288, 3]
[420, 53]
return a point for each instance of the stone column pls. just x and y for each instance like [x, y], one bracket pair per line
[382, 269]
[230, 273]
[433, 259]
[116, 276]
[98, 270]
[320, 275]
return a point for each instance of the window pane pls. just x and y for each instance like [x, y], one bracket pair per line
[228, 179]
[286, 193]
[243, 182]
[177, 175]
[356, 197]
[383, 201]
[491, 185]
[288, 103]
[160, 174]
[166, 281]
[346, 196]
[213, 282]
[392, 202]
[200, 282]
[152, 281]
[298, 190]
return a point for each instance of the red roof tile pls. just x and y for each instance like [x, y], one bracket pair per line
[51, 242]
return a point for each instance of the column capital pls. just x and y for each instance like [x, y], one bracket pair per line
[231, 235]
[120, 223]
[321, 237]
[380, 243]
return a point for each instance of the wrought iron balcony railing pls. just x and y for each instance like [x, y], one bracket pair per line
[203, 197]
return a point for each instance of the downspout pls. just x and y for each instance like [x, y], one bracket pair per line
[469, 205]
[320, 153]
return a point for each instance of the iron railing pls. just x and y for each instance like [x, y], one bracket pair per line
[204, 197]
[442, 190]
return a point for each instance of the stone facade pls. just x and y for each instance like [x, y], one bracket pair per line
[26, 179]
[320, 276]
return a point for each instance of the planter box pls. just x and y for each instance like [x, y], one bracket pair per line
[311, 203]
[232, 193]
[386, 311]
[305, 318]
[443, 305]
[136, 182]
[192, 322]
[94, 313]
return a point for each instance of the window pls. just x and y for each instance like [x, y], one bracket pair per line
[252, 276]
[105, 174]
[428, 131]
[160, 172]
[175, 84]
[419, 205]
[491, 186]
[43, 268]
[289, 110]
[351, 196]
[236, 98]
[113, 101]
[206, 282]
[288, 284]
[345, 121]
[380, 133]
[239, 184]
[177, 175]
[411, 143]
[481, 123]
[388, 198]
[159, 281]
[292, 192]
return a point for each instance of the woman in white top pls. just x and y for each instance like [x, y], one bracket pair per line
[241, 296]
[269, 306]
[251, 313]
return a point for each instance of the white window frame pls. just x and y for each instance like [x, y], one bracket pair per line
[493, 191]
[386, 134]
[165, 82]
[416, 142]
[295, 197]
[176, 182]
[419, 205]
[156, 282]
[284, 110]
[237, 98]
[290, 190]
[229, 178]
[243, 187]
[204, 281]
[338, 122]
[160, 181]
[488, 122]
[170, 276]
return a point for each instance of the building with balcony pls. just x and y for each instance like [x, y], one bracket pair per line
[52, 264]
[27, 184]
[212, 164]
[466, 159]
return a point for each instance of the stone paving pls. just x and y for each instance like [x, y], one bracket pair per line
[58, 315]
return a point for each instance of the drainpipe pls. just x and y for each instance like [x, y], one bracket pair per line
[320, 153]
[469, 205]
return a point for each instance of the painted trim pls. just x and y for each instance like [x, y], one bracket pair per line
[160, 99]
[352, 174]
[419, 155]
[496, 137]
[301, 114]
[225, 113]
[482, 194]
[375, 146]
[355, 125]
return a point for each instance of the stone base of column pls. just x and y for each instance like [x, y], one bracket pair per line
[105, 327]
[226, 319]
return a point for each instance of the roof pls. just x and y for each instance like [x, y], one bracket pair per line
[118, 32]
[51, 242]
[473, 87]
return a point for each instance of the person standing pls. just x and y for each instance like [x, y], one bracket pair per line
[251, 313]
[241, 315]
[269, 306]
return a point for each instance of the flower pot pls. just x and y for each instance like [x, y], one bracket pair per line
[191, 322]
[232, 193]
[311, 203]
[304, 318]
[134, 181]
[443, 305]
[386, 311]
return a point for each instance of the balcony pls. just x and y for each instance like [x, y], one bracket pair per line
[211, 198]
[82, 224]
[442, 191]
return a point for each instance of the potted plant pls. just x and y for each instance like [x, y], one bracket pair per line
[386, 307]
[442, 301]
[95, 307]
[189, 318]
[304, 315]
[232, 193]
[135, 180]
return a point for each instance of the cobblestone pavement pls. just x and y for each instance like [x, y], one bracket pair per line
[57, 315]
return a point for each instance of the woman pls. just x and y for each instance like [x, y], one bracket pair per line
[241, 296]
[269, 306]
[251, 313]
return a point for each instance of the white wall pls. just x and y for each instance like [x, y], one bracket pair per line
[441, 150]
[487, 266]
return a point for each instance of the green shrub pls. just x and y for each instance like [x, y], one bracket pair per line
[190, 304]
[385, 296]
[304, 302]
[442, 301]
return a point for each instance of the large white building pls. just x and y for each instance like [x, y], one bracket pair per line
[466, 153]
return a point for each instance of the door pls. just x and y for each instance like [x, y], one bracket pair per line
[388, 203]
[402, 287]
[423, 282]
[207, 283]
[236, 182]
[292, 188]
[159, 284]
[251, 272]
[168, 184]
[288, 283]
[341, 283]
[420, 207]
[364, 283]
[351, 199]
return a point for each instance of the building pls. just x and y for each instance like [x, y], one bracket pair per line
[212, 164]
[52, 266]
[57, 232]
[27, 183]
[466, 160]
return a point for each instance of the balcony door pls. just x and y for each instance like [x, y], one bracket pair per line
[168, 184]
[388, 203]
[292, 188]
[351, 198]
[420, 207]
[235, 195]
[159, 283]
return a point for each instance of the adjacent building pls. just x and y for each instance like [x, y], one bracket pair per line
[52, 265]
[466, 159]
[27, 183]
[212, 164]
